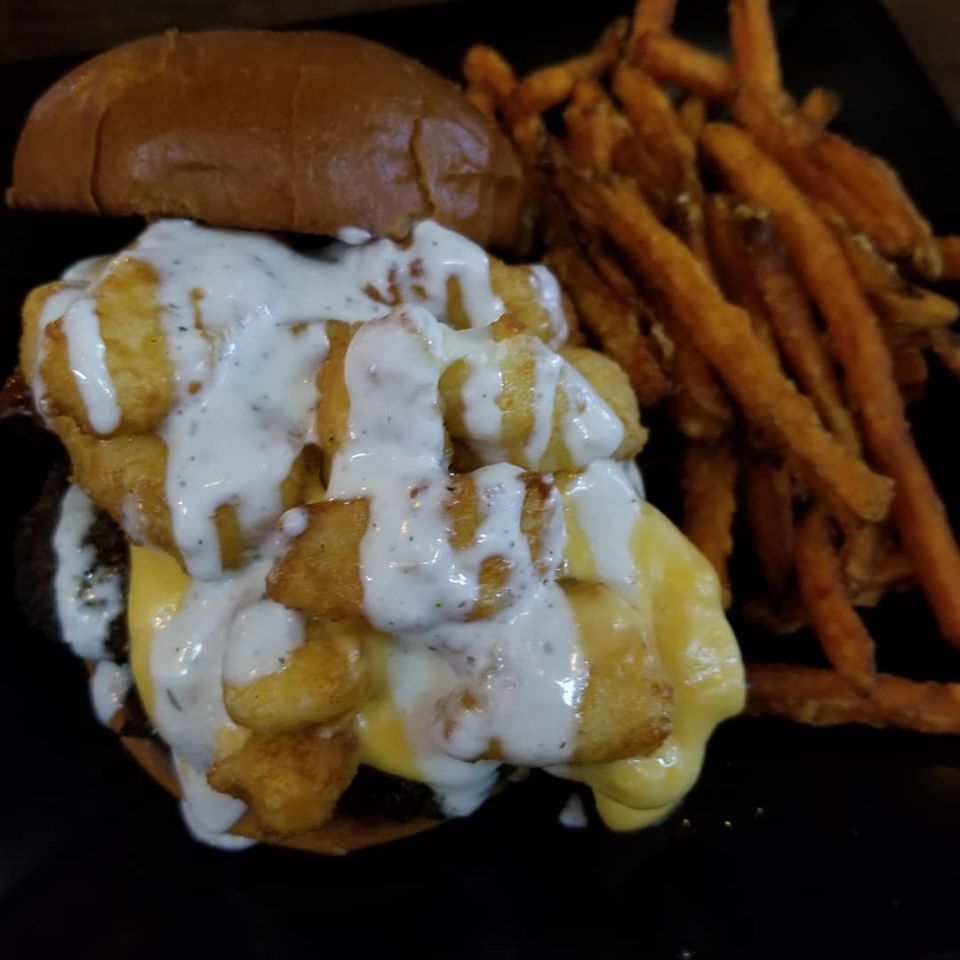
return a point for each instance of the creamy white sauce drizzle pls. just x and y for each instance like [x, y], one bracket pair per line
[88, 597]
[187, 659]
[417, 586]
[208, 814]
[607, 503]
[87, 354]
[551, 299]
[262, 637]
[354, 236]
[573, 816]
[109, 686]
[418, 676]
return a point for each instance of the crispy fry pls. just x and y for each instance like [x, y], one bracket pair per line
[671, 60]
[857, 185]
[728, 254]
[916, 308]
[692, 114]
[594, 127]
[756, 61]
[612, 321]
[949, 248]
[839, 629]
[823, 698]
[820, 106]
[699, 406]
[723, 333]
[878, 185]
[486, 69]
[651, 15]
[633, 159]
[893, 570]
[919, 512]
[552, 85]
[946, 346]
[795, 328]
[767, 499]
[909, 370]
[709, 482]
[652, 115]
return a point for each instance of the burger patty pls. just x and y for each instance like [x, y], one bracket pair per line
[371, 795]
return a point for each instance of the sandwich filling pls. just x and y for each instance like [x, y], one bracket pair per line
[381, 512]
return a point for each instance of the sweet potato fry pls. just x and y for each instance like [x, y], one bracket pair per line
[692, 114]
[909, 370]
[594, 127]
[652, 115]
[823, 698]
[879, 187]
[859, 345]
[709, 481]
[651, 15]
[795, 329]
[767, 499]
[946, 347]
[840, 631]
[856, 185]
[916, 307]
[671, 60]
[486, 68]
[549, 86]
[731, 264]
[820, 106]
[756, 61]
[612, 321]
[949, 248]
[723, 333]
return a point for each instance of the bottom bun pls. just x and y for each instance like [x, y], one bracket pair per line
[341, 835]
[337, 837]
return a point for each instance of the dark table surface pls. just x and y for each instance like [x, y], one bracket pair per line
[797, 842]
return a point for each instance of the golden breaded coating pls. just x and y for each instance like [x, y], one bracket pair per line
[516, 286]
[610, 381]
[292, 780]
[320, 572]
[126, 477]
[324, 678]
[125, 301]
[627, 706]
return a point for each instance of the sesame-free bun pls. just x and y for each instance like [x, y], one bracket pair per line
[306, 132]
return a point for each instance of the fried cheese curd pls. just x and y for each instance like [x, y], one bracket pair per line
[380, 513]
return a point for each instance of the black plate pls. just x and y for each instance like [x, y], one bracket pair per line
[797, 842]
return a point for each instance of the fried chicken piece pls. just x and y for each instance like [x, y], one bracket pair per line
[291, 780]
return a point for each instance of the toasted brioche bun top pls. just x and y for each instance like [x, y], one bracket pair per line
[307, 132]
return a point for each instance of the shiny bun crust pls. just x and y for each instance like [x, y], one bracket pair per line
[339, 836]
[306, 132]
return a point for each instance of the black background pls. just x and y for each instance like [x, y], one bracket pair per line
[796, 842]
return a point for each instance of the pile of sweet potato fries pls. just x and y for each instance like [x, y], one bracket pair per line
[777, 318]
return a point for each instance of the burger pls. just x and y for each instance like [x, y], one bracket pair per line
[352, 529]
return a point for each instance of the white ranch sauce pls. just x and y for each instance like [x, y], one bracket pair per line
[88, 597]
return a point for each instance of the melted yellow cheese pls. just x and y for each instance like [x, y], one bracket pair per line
[157, 588]
[678, 595]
